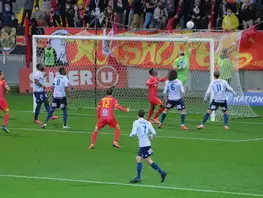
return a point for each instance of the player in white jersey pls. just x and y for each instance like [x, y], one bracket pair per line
[220, 88]
[175, 90]
[145, 132]
[39, 93]
[60, 94]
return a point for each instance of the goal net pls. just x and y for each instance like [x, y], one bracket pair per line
[94, 63]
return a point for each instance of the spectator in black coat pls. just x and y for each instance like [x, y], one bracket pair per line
[197, 13]
[247, 14]
[121, 7]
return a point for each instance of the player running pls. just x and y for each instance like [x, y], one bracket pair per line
[175, 90]
[220, 88]
[3, 103]
[105, 115]
[39, 93]
[145, 132]
[181, 64]
[153, 83]
[60, 95]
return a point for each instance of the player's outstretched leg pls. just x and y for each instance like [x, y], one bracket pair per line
[137, 179]
[207, 115]
[116, 137]
[65, 118]
[150, 113]
[157, 168]
[37, 112]
[47, 107]
[6, 118]
[155, 119]
[93, 138]
[163, 117]
[226, 118]
[183, 115]
[49, 115]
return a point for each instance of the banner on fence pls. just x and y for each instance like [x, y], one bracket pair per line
[80, 78]
[158, 54]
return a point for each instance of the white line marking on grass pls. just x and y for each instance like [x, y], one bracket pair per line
[251, 140]
[158, 136]
[133, 185]
[131, 117]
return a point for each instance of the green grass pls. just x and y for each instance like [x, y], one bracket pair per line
[54, 163]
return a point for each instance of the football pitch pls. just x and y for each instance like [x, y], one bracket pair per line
[54, 163]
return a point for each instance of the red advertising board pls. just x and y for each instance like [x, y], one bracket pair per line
[80, 77]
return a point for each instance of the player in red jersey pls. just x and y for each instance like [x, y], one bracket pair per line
[153, 83]
[3, 103]
[105, 114]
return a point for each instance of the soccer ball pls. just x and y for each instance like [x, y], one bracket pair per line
[190, 24]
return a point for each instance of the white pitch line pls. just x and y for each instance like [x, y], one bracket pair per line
[131, 117]
[133, 185]
[158, 136]
[251, 140]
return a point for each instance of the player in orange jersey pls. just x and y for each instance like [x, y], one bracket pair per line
[105, 114]
[3, 103]
[153, 83]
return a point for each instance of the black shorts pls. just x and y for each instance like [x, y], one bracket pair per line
[59, 103]
[40, 96]
[145, 152]
[178, 104]
[218, 103]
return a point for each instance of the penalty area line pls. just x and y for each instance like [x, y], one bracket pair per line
[122, 134]
[132, 185]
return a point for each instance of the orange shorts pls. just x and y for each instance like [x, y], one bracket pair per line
[155, 101]
[112, 123]
[3, 105]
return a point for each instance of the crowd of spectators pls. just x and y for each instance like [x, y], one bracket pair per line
[228, 15]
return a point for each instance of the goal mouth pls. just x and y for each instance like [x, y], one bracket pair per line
[97, 62]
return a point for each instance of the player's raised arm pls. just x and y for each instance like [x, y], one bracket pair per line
[121, 108]
[229, 88]
[163, 79]
[208, 91]
[134, 129]
[182, 89]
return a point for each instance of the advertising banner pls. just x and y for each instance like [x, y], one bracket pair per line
[246, 98]
[80, 78]
[162, 54]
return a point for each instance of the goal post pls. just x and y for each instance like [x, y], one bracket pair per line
[91, 68]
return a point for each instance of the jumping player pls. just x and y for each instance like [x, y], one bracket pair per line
[181, 64]
[60, 95]
[145, 132]
[105, 114]
[3, 103]
[220, 88]
[152, 84]
[175, 90]
[39, 93]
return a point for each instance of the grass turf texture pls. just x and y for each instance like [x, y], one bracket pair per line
[56, 163]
